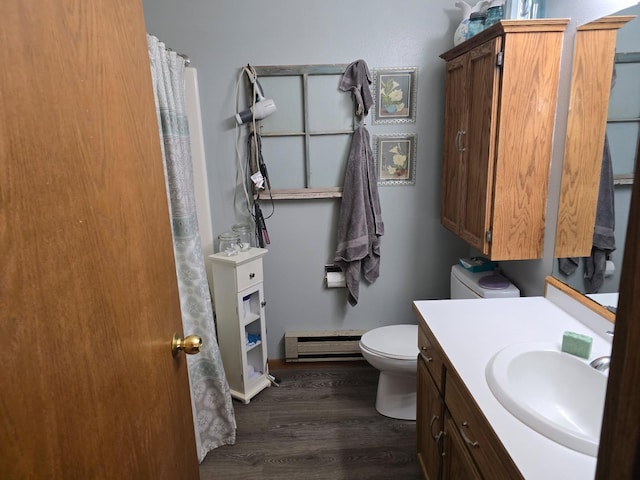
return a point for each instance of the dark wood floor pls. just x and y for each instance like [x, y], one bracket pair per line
[320, 423]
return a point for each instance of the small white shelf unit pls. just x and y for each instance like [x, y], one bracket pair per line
[238, 297]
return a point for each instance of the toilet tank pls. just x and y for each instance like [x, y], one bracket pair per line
[467, 284]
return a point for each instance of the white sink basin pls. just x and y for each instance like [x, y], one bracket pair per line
[556, 394]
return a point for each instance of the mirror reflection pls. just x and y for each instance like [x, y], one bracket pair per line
[598, 275]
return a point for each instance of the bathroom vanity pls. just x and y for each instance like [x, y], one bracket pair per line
[463, 430]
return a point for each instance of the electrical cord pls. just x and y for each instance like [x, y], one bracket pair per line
[244, 175]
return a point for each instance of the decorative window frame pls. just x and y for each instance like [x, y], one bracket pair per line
[305, 71]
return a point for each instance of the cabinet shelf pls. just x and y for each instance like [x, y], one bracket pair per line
[251, 347]
[250, 318]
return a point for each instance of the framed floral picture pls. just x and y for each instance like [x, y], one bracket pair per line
[395, 157]
[395, 95]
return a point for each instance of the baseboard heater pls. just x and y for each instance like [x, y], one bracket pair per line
[318, 346]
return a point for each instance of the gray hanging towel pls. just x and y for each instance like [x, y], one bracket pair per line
[356, 78]
[360, 223]
[604, 239]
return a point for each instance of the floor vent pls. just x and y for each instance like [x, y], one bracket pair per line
[318, 346]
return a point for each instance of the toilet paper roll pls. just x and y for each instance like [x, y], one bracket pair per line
[610, 269]
[335, 280]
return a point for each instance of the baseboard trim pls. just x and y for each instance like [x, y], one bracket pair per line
[281, 363]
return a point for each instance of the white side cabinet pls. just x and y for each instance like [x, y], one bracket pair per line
[238, 297]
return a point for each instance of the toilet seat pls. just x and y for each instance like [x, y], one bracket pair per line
[399, 342]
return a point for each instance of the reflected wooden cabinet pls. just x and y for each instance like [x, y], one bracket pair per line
[454, 440]
[500, 104]
[593, 58]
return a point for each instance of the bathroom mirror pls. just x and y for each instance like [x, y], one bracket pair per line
[622, 132]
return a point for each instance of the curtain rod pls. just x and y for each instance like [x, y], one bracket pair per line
[185, 57]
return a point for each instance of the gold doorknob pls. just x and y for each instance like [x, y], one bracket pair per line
[190, 345]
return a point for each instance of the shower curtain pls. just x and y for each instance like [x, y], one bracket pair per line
[213, 415]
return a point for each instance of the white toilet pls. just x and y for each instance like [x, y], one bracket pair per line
[467, 284]
[393, 349]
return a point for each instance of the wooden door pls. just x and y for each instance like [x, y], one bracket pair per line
[429, 423]
[478, 160]
[88, 288]
[456, 460]
[455, 121]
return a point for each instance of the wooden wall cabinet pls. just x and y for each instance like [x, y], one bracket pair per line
[500, 104]
[239, 303]
[455, 441]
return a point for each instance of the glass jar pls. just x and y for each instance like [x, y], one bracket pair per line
[476, 23]
[495, 13]
[524, 9]
[244, 232]
[229, 243]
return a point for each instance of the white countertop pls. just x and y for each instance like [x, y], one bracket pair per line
[471, 331]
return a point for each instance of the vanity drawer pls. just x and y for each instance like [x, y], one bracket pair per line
[248, 274]
[430, 354]
[483, 444]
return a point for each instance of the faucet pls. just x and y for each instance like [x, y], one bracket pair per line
[601, 363]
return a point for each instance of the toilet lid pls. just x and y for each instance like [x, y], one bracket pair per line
[394, 341]
[494, 282]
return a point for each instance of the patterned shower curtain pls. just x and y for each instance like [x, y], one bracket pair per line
[213, 414]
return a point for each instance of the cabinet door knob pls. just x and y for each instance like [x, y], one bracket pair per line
[425, 358]
[439, 434]
[252, 275]
[467, 440]
[264, 304]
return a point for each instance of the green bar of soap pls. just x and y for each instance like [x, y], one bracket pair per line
[576, 344]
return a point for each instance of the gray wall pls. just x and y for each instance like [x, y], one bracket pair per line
[417, 252]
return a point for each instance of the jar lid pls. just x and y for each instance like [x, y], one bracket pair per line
[241, 227]
[229, 236]
[477, 15]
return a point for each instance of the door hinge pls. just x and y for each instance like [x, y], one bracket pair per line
[499, 59]
[489, 236]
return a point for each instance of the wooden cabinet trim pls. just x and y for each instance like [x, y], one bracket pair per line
[507, 26]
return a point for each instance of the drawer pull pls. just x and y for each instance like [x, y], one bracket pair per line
[425, 358]
[439, 434]
[467, 440]
[252, 275]
[264, 304]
